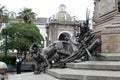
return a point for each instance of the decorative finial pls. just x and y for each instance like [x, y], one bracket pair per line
[62, 7]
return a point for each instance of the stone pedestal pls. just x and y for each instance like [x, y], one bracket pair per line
[107, 24]
[110, 36]
[111, 40]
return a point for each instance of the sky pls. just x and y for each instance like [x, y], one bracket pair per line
[47, 8]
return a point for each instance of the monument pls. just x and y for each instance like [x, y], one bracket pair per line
[81, 47]
[106, 24]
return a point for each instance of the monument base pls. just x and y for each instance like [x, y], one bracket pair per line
[110, 36]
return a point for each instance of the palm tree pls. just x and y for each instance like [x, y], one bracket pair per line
[27, 15]
[1, 13]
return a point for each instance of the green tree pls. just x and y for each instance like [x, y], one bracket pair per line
[1, 11]
[22, 35]
[3, 19]
[3, 15]
[26, 15]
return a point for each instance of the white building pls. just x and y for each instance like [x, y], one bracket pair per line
[41, 24]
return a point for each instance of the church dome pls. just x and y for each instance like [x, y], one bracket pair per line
[62, 15]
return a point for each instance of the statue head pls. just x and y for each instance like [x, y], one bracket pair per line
[34, 49]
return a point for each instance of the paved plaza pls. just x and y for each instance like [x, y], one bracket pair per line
[30, 76]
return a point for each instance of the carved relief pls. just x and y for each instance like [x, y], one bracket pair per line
[106, 6]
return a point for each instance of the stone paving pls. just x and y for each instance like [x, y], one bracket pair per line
[30, 76]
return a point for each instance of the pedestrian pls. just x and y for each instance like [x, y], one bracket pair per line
[19, 60]
[33, 67]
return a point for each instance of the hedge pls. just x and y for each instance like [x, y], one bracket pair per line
[9, 59]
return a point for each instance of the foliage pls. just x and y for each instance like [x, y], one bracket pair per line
[26, 15]
[0, 36]
[9, 59]
[3, 15]
[22, 35]
[1, 9]
[2, 48]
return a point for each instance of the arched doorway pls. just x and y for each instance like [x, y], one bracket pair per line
[64, 36]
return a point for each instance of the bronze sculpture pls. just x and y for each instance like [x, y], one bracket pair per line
[55, 55]
[81, 46]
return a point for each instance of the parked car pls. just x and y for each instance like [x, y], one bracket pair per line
[3, 71]
[27, 67]
[10, 68]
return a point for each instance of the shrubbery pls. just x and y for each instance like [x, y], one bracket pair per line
[9, 59]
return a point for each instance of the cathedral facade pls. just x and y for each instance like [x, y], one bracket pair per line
[61, 26]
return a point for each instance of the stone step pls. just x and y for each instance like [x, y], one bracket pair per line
[78, 74]
[108, 57]
[96, 65]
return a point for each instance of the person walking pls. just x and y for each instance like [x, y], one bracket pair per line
[19, 60]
